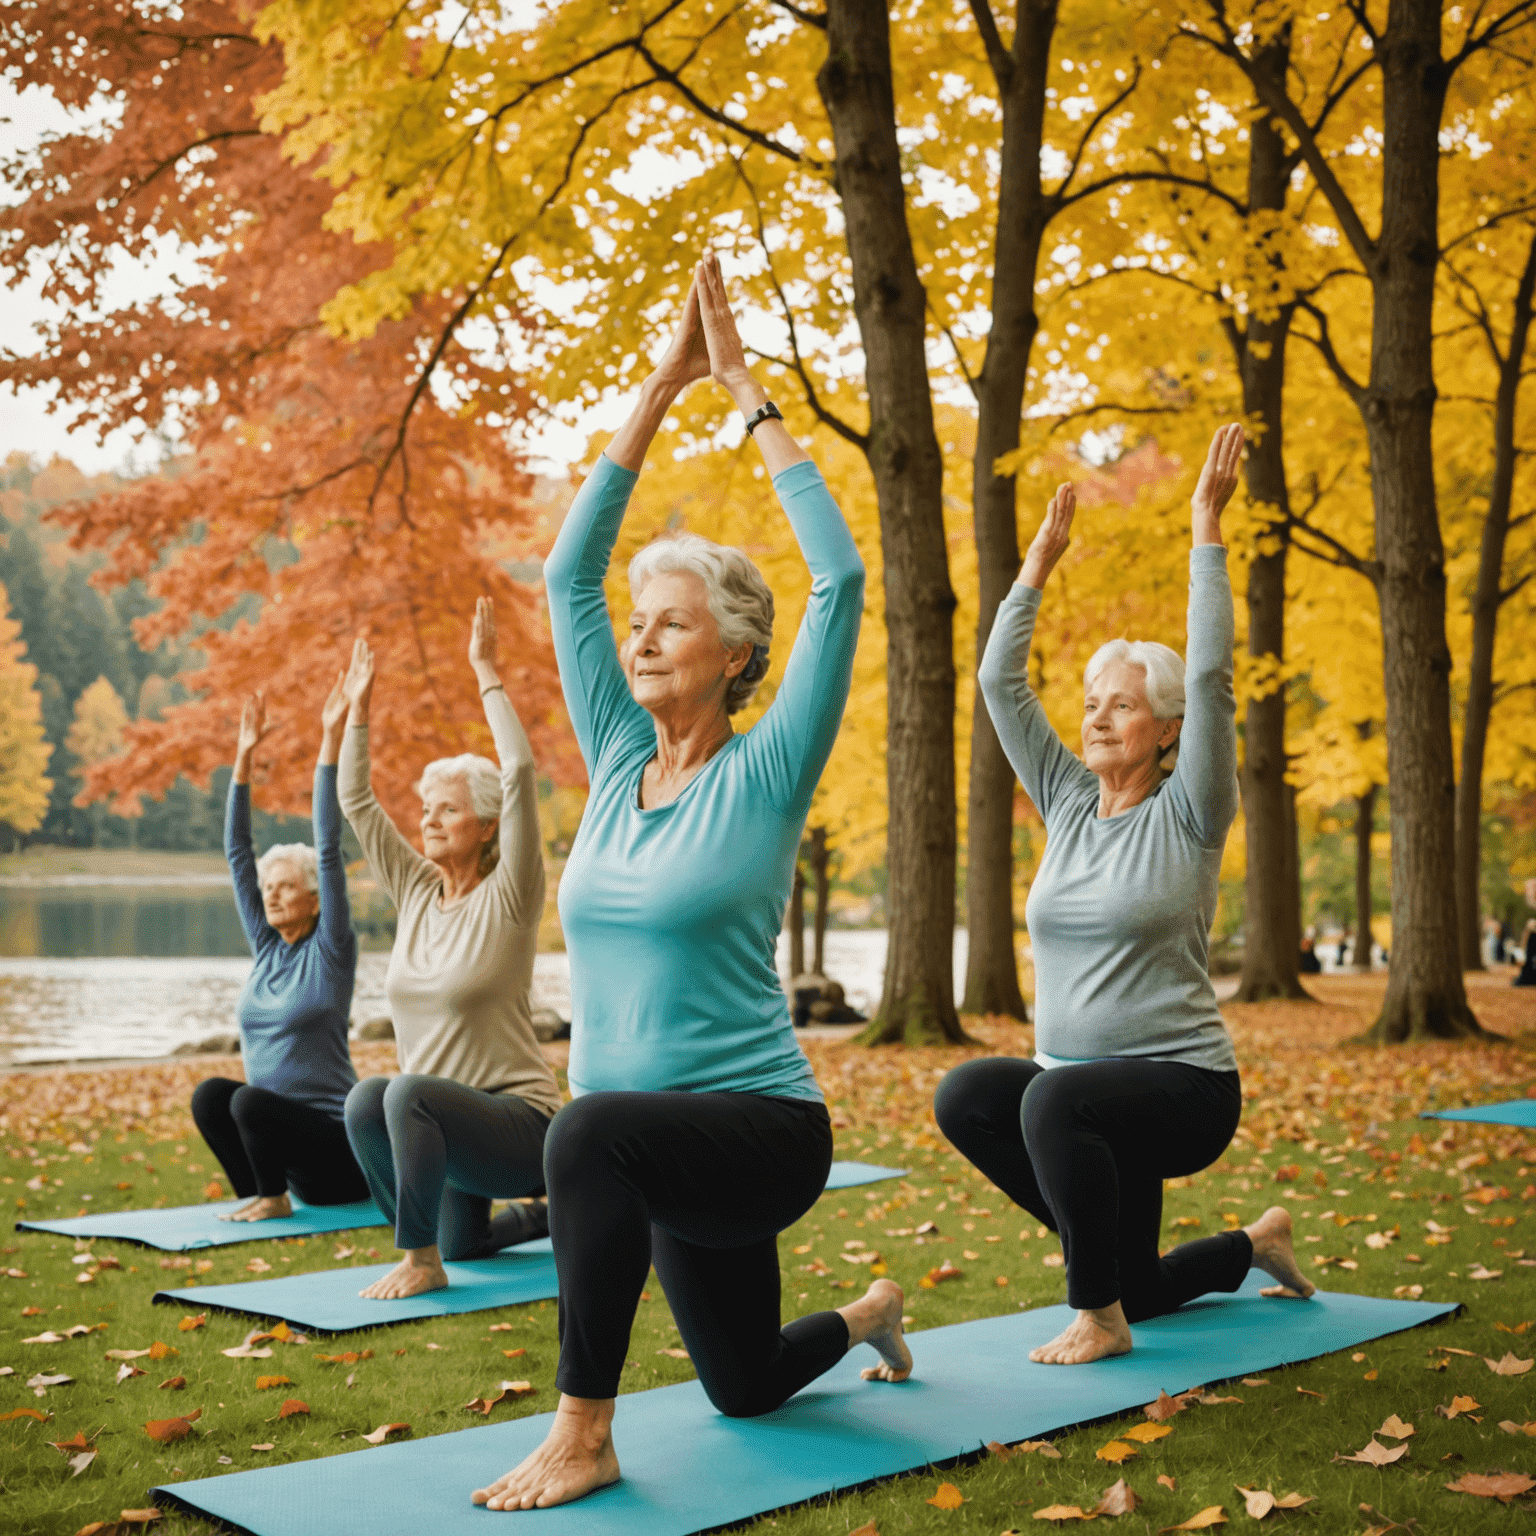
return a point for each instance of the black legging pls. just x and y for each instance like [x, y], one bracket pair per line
[700, 1184]
[436, 1154]
[268, 1143]
[1086, 1148]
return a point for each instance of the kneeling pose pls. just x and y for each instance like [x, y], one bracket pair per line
[282, 1127]
[1134, 1078]
[697, 1133]
[464, 1122]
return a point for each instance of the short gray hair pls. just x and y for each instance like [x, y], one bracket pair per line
[300, 854]
[482, 778]
[739, 599]
[1164, 669]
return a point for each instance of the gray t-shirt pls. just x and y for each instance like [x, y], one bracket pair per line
[1121, 907]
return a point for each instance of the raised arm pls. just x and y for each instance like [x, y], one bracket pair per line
[237, 828]
[335, 910]
[519, 874]
[394, 863]
[1206, 776]
[1037, 754]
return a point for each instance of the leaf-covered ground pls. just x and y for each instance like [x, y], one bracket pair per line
[1389, 1201]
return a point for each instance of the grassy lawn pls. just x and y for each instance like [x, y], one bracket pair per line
[1331, 1131]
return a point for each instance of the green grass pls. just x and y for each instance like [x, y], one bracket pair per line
[1277, 1438]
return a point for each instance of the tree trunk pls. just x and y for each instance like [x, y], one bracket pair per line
[918, 1003]
[1426, 998]
[795, 921]
[1271, 929]
[816, 857]
[1486, 602]
[1365, 825]
[991, 968]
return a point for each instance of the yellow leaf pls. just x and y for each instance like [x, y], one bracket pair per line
[1214, 1515]
[1146, 1433]
[947, 1497]
[1116, 1451]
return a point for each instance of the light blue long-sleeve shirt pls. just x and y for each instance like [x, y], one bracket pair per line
[1121, 907]
[294, 1007]
[671, 915]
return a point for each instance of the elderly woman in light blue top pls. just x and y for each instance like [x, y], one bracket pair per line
[698, 1132]
[282, 1127]
[1134, 1079]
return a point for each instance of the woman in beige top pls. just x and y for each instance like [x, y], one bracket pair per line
[464, 1123]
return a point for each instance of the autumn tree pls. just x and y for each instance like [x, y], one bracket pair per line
[24, 748]
[346, 484]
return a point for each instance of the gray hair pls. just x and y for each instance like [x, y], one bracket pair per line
[739, 599]
[482, 778]
[1164, 669]
[299, 854]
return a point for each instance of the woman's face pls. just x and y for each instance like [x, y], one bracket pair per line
[290, 904]
[673, 656]
[1121, 735]
[451, 832]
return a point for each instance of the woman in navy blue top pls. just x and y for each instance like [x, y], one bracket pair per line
[282, 1128]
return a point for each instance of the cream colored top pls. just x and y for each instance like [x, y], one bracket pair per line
[459, 976]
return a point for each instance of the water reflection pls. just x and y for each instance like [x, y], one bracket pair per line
[47, 922]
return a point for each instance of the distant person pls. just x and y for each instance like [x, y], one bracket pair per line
[1134, 1079]
[282, 1128]
[1309, 964]
[1527, 975]
[464, 1122]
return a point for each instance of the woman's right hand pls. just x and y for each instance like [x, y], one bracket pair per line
[254, 727]
[1051, 538]
[357, 686]
[686, 359]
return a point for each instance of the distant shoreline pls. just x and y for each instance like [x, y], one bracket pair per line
[50, 865]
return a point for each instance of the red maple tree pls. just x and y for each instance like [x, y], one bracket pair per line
[351, 485]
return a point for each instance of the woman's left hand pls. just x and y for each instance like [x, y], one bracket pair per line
[727, 360]
[1218, 480]
[482, 637]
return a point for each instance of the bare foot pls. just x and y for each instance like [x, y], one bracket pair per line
[1273, 1253]
[420, 1270]
[576, 1458]
[1095, 1334]
[875, 1319]
[262, 1208]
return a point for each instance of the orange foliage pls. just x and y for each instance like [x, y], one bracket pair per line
[351, 486]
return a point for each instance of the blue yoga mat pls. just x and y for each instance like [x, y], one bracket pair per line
[1513, 1112]
[182, 1227]
[688, 1468]
[327, 1301]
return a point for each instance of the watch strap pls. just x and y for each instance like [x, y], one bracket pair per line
[765, 412]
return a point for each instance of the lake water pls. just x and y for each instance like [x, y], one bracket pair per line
[133, 969]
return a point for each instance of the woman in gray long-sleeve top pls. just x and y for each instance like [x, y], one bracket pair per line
[1134, 1079]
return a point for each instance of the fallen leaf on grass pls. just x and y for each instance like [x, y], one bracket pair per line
[514, 1354]
[939, 1273]
[258, 1266]
[1308, 1392]
[1450, 1349]
[187, 1324]
[351, 1357]
[268, 1446]
[1376, 1454]
[25, 1413]
[1119, 1499]
[1146, 1433]
[1457, 1405]
[504, 1390]
[77, 1442]
[1064, 1512]
[173, 1383]
[293, 1407]
[1257, 1501]
[1164, 1408]
[1502, 1486]
[385, 1432]
[1478, 1272]
[1116, 1451]
[868, 1529]
[1511, 1428]
[127, 1522]
[1395, 1427]
[38, 1312]
[1167, 1482]
[1215, 1515]
[40, 1383]
[265, 1382]
[947, 1497]
[674, 1354]
[1254, 1381]
[1510, 1365]
[1053, 1261]
[78, 1464]
[1004, 1452]
[1498, 1327]
[501, 1328]
[168, 1431]
[126, 1371]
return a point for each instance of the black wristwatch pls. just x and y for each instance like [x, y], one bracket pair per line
[765, 412]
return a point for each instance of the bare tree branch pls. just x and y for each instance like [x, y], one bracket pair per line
[997, 55]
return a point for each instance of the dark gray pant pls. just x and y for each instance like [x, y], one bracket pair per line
[436, 1153]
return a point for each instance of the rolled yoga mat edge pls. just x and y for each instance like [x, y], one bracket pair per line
[1507, 1112]
[688, 1469]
